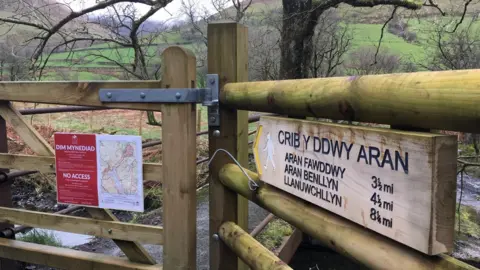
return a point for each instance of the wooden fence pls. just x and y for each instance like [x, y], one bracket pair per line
[423, 101]
[177, 173]
[420, 101]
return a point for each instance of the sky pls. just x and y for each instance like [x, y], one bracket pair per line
[172, 10]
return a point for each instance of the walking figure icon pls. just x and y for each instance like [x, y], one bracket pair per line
[270, 152]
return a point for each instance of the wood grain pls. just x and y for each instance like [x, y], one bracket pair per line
[133, 250]
[289, 246]
[446, 100]
[74, 93]
[227, 57]
[46, 164]
[179, 163]
[65, 258]
[345, 237]
[400, 184]
[100, 228]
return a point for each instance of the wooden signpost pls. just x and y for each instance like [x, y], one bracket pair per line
[399, 184]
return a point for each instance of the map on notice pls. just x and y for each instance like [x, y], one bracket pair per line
[120, 181]
[102, 171]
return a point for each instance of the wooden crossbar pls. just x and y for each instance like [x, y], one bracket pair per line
[73, 93]
[100, 228]
[66, 258]
[46, 164]
[133, 250]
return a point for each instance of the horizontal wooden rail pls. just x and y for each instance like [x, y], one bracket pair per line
[65, 258]
[59, 110]
[370, 248]
[23, 229]
[446, 100]
[45, 164]
[262, 225]
[248, 249]
[88, 226]
[74, 93]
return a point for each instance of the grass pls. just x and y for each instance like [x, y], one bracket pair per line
[272, 236]
[41, 237]
[469, 222]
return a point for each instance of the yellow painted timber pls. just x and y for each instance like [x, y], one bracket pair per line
[46, 164]
[254, 254]
[64, 258]
[436, 100]
[100, 228]
[348, 238]
[83, 93]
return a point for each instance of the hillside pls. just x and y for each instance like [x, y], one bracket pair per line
[43, 12]
[365, 25]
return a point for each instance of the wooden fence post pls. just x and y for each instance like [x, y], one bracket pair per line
[179, 164]
[227, 57]
[5, 193]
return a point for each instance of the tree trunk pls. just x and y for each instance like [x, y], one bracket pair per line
[299, 21]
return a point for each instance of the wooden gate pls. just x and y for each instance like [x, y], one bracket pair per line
[176, 173]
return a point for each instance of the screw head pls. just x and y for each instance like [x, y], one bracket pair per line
[216, 133]
[109, 95]
[110, 231]
[215, 237]
[212, 81]
[142, 95]
[178, 95]
[213, 119]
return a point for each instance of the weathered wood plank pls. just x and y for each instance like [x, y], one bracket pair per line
[133, 250]
[100, 228]
[398, 183]
[347, 238]
[28, 134]
[5, 192]
[446, 100]
[73, 93]
[64, 258]
[45, 164]
[227, 57]
[180, 169]
[289, 246]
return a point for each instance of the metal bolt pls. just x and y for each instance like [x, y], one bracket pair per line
[216, 133]
[51, 165]
[109, 95]
[142, 95]
[213, 119]
[212, 81]
[178, 95]
[110, 231]
[215, 237]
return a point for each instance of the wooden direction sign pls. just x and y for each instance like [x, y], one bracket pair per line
[399, 184]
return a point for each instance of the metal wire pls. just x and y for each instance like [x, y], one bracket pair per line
[251, 184]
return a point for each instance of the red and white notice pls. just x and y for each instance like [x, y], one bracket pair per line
[99, 170]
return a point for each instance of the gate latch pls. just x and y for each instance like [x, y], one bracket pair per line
[206, 96]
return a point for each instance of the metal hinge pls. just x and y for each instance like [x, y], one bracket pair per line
[206, 96]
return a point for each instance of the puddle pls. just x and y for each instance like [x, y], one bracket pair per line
[66, 239]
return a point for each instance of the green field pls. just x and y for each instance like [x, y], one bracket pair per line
[364, 35]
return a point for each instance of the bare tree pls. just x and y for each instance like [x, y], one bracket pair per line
[451, 51]
[300, 19]
[330, 44]
[54, 32]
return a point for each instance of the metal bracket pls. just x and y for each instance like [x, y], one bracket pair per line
[207, 96]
